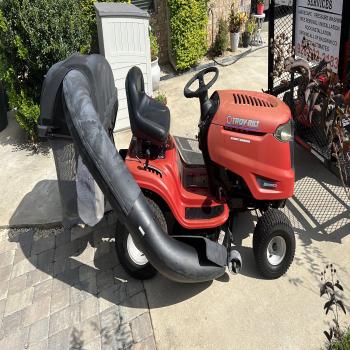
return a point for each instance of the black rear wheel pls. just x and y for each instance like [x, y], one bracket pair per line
[131, 258]
[273, 244]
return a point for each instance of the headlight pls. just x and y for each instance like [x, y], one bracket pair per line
[285, 132]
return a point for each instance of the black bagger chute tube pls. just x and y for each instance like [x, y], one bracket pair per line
[81, 90]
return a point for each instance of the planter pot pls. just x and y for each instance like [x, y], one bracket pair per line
[260, 9]
[234, 41]
[155, 70]
[246, 39]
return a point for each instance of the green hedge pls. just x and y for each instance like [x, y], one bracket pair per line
[188, 27]
[35, 34]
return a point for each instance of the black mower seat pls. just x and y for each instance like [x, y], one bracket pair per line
[149, 119]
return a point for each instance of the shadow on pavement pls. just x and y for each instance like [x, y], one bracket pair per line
[16, 137]
[38, 207]
[319, 209]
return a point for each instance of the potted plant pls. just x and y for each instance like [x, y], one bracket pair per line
[249, 31]
[155, 69]
[260, 7]
[237, 19]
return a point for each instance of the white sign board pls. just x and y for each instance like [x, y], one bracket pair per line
[318, 29]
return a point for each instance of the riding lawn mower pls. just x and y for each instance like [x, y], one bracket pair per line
[176, 199]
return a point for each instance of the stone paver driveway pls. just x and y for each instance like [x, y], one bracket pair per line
[57, 294]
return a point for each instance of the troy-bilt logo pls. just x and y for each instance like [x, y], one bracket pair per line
[242, 123]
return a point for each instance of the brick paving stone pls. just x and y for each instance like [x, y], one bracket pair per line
[6, 245]
[37, 311]
[60, 340]
[46, 260]
[63, 319]
[146, 344]
[5, 273]
[141, 327]
[24, 266]
[104, 279]
[87, 255]
[89, 286]
[88, 308]
[90, 329]
[19, 301]
[43, 244]
[59, 285]
[19, 255]
[63, 251]
[133, 286]
[12, 323]
[4, 287]
[69, 276]
[7, 258]
[86, 272]
[37, 276]
[39, 331]
[110, 321]
[93, 345]
[80, 307]
[17, 340]
[107, 261]
[17, 284]
[2, 307]
[42, 345]
[121, 339]
[42, 289]
[60, 299]
[134, 306]
[110, 296]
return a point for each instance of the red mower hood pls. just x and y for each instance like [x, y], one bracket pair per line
[251, 111]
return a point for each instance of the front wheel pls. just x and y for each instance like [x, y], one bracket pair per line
[131, 258]
[273, 244]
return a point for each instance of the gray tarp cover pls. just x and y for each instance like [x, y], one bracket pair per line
[89, 198]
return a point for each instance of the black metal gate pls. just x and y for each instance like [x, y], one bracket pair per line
[281, 24]
[285, 85]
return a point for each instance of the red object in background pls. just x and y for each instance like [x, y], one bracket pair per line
[260, 9]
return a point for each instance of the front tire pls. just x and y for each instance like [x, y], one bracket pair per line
[131, 258]
[273, 244]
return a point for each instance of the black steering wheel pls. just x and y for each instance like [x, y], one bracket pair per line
[203, 88]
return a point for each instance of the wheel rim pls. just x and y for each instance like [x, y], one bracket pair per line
[134, 253]
[276, 250]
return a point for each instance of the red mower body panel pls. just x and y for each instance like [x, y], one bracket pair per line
[241, 139]
[165, 180]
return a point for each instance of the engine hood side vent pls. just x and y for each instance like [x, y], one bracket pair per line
[245, 99]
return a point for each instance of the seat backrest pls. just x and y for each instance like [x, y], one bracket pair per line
[135, 91]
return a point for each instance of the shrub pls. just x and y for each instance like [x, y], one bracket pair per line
[35, 34]
[221, 40]
[188, 27]
[154, 46]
